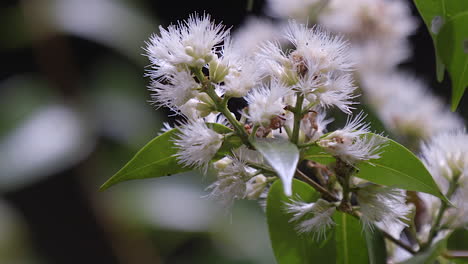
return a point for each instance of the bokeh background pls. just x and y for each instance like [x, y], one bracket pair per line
[74, 109]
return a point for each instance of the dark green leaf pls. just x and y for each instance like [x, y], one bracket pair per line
[458, 240]
[398, 167]
[156, 159]
[317, 154]
[376, 246]
[430, 255]
[452, 43]
[288, 246]
[351, 246]
[440, 17]
[282, 155]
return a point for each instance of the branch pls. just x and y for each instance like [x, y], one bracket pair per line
[328, 195]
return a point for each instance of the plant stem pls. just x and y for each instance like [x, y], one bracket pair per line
[327, 195]
[297, 118]
[221, 105]
[455, 254]
[398, 242]
[435, 227]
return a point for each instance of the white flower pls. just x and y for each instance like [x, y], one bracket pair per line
[383, 205]
[314, 124]
[369, 19]
[350, 143]
[393, 95]
[378, 30]
[255, 187]
[235, 178]
[265, 102]
[240, 72]
[190, 43]
[197, 144]
[318, 67]
[312, 217]
[378, 57]
[248, 38]
[166, 127]
[446, 157]
[174, 90]
[299, 9]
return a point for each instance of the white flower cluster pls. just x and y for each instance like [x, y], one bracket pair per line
[393, 95]
[378, 32]
[196, 68]
[446, 157]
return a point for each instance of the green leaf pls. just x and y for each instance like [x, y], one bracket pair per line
[288, 246]
[282, 156]
[439, 16]
[458, 240]
[317, 154]
[156, 159]
[398, 167]
[452, 43]
[430, 255]
[376, 246]
[351, 245]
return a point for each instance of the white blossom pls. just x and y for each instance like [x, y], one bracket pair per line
[174, 90]
[252, 33]
[318, 67]
[382, 205]
[312, 217]
[393, 95]
[240, 72]
[446, 157]
[266, 102]
[314, 124]
[369, 19]
[189, 43]
[235, 179]
[350, 143]
[299, 9]
[378, 31]
[197, 144]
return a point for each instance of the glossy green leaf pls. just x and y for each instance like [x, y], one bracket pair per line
[376, 246]
[156, 159]
[452, 43]
[288, 246]
[351, 245]
[432, 11]
[398, 167]
[430, 255]
[317, 154]
[438, 15]
[282, 155]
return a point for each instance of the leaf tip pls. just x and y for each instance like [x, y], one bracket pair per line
[107, 184]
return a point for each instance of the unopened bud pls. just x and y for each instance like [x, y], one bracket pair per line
[222, 163]
[255, 187]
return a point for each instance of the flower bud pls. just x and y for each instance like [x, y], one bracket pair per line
[217, 71]
[255, 187]
[222, 163]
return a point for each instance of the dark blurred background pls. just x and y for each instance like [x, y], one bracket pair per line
[74, 110]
